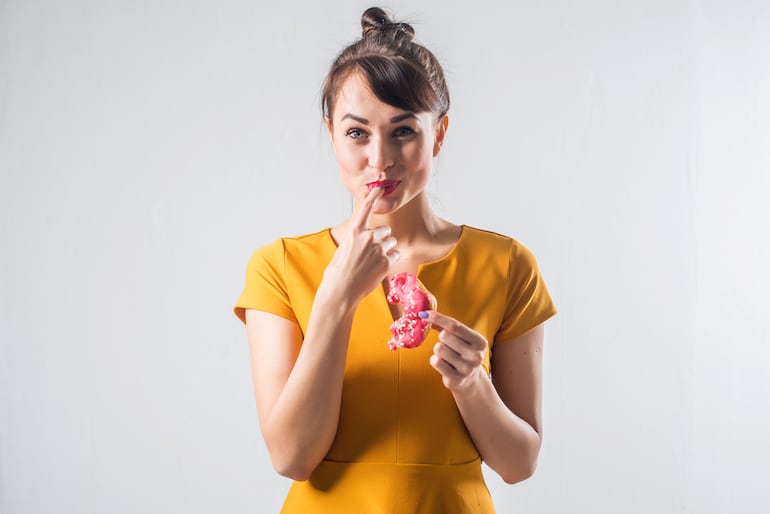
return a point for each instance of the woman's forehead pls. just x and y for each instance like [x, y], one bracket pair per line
[356, 92]
[357, 98]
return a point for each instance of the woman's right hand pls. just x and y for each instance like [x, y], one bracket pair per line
[364, 257]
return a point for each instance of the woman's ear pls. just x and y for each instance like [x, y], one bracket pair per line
[441, 127]
[328, 126]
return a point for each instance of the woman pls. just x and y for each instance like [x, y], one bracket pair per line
[359, 428]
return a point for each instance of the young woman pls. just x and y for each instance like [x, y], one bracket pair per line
[360, 428]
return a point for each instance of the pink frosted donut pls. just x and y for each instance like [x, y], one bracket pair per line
[409, 330]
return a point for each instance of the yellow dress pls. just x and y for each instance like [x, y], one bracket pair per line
[401, 444]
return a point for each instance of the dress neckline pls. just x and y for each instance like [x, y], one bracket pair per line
[379, 295]
[421, 266]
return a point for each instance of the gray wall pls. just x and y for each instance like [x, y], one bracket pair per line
[148, 147]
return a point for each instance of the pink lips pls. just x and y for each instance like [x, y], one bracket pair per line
[388, 186]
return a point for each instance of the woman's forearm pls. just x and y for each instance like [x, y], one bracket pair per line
[508, 444]
[303, 422]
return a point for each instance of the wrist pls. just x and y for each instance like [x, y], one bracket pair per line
[473, 386]
[334, 300]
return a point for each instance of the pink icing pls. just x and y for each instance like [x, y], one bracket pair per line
[409, 330]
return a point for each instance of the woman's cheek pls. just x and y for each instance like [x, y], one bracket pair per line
[350, 174]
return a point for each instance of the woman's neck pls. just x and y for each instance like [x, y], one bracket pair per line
[413, 223]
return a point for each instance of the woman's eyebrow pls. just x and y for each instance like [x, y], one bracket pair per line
[355, 118]
[402, 117]
[394, 119]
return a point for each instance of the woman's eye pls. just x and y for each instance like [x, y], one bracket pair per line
[355, 133]
[404, 131]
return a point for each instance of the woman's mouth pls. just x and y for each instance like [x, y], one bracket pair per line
[387, 186]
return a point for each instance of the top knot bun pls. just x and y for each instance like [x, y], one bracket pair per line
[399, 71]
[376, 21]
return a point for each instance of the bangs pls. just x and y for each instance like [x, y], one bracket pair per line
[393, 80]
[397, 82]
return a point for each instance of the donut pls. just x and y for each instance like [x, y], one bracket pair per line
[409, 330]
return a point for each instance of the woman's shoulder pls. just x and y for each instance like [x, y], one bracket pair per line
[483, 236]
[482, 233]
[320, 237]
[307, 248]
[496, 243]
[289, 243]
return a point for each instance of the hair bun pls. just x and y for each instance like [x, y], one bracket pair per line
[375, 20]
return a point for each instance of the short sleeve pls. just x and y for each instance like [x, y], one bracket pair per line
[528, 301]
[266, 288]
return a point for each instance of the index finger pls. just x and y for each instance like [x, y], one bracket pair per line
[451, 325]
[366, 208]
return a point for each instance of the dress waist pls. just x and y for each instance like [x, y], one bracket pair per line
[391, 488]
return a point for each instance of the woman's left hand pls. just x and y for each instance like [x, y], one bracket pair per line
[459, 352]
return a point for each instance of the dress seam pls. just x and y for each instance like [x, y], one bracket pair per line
[398, 410]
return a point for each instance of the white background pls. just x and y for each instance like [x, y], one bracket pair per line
[148, 147]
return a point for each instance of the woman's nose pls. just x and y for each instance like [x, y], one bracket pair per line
[380, 155]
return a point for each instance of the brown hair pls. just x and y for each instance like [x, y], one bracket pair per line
[399, 71]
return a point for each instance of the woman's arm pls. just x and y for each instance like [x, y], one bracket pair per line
[298, 382]
[503, 415]
[298, 385]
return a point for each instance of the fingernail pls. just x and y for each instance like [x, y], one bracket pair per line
[423, 314]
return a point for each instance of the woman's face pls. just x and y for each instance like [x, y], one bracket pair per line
[378, 145]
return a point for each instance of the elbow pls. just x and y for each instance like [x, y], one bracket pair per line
[521, 473]
[293, 458]
[523, 467]
[293, 468]
[292, 463]
[296, 473]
